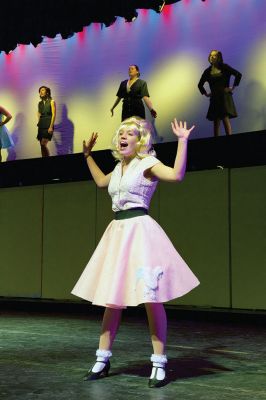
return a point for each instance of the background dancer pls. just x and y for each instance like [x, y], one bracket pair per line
[46, 119]
[5, 139]
[222, 106]
[133, 92]
[135, 262]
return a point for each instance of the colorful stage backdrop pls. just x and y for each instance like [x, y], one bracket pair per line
[171, 50]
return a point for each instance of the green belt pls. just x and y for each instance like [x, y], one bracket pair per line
[131, 213]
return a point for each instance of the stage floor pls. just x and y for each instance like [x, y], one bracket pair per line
[44, 356]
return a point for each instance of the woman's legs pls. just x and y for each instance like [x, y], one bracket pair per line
[227, 125]
[110, 325]
[216, 127]
[158, 330]
[157, 325]
[44, 149]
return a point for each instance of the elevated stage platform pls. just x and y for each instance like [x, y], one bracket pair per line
[239, 150]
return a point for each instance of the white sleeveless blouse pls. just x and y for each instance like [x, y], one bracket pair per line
[132, 189]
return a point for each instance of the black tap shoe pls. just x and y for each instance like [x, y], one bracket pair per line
[156, 383]
[92, 376]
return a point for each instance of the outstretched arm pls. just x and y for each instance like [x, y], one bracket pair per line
[148, 103]
[176, 173]
[117, 101]
[99, 177]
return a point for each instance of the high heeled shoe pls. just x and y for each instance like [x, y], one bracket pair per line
[92, 376]
[156, 383]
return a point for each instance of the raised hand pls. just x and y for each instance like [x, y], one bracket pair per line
[180, 129]
[87, 146]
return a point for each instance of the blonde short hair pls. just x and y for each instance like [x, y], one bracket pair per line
[144, 131]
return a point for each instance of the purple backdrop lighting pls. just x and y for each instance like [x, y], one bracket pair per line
[171, 50]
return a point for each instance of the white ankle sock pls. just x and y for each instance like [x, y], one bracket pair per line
[158, 366]
[102, 357]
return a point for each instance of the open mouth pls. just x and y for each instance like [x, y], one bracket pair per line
[123, 145]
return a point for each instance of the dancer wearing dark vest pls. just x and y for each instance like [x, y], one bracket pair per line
[46, 119]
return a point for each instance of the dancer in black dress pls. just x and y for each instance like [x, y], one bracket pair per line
[222, 106]
[46, 118]
[133, 92]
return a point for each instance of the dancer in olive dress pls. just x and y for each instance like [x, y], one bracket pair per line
[46, 118]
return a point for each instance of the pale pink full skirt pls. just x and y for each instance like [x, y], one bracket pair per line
[134, 263]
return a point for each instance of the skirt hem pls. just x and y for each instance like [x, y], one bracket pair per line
[137, 303]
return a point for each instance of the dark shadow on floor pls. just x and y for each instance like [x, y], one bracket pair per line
[177, 368]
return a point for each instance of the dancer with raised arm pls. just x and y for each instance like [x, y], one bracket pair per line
[135, 262]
